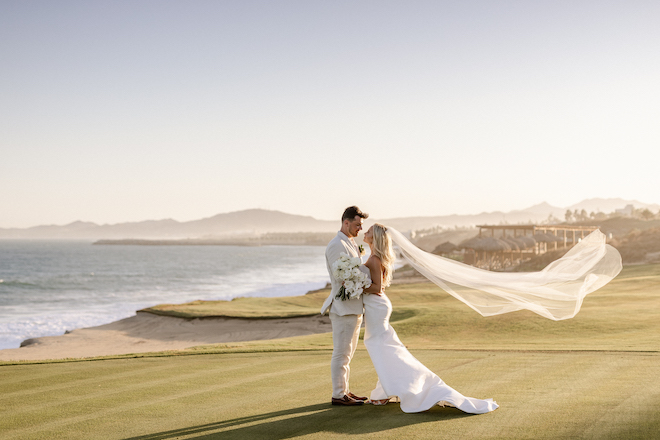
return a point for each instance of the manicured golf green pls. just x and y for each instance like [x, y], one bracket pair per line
[595, 376]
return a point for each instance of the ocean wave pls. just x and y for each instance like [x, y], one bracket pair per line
[21, 284]
[49, 288]
[283, 289]
[56, 323]
[14, 332]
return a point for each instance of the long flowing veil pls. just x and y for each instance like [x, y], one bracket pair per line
[556, 292]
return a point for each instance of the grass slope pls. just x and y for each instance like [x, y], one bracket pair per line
[255, 308]
[285, 395]
[624, 315]
[591, 377]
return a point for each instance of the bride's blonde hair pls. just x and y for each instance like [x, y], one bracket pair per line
[382, 248]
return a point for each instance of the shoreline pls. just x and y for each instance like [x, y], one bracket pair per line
[147, 332]
[268, 239]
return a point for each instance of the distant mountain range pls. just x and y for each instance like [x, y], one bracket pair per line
[241, 223]
[253, 222]
[534, 214]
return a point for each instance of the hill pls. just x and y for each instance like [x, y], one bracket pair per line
[639, 246]
[611, 205]
[248, 223]
[256, 222]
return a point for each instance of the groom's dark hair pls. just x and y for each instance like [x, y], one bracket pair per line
[351, 212]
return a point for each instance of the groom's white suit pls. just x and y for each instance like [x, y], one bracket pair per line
[346, 317]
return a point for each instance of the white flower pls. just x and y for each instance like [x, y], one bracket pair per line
[347, 269]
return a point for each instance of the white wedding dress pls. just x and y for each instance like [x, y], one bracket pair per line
[555, 293]
[400, 374]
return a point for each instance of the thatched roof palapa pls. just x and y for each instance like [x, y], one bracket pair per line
[445, 248]
[495, 244]
[515, 244]
[527, 240]
[489, 244]
[470, 243]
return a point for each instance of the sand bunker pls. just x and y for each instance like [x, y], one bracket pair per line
[146, 332]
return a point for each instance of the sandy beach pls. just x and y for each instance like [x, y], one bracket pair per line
[147, 332]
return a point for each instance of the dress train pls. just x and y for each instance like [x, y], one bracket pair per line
[400, 374]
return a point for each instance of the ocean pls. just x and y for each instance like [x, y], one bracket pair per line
[49, 287]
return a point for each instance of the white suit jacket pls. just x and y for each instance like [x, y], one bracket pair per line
[341, 243]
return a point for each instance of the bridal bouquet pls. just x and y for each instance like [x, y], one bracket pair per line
[355, 281]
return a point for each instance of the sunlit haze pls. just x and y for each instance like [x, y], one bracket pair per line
[115, 111]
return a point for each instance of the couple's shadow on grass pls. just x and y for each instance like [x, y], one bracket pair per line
[310, 419]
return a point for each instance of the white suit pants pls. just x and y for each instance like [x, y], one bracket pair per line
[345, 334]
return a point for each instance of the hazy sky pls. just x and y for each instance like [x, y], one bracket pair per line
[114, 111]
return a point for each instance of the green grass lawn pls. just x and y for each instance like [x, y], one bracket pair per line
[594, 376]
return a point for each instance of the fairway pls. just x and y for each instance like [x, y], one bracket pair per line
[594, 377]
[285, 395]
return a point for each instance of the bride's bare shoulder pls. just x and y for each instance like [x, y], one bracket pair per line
[373, 261]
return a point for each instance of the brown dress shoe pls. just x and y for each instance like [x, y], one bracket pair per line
[354, 397]
[347, 401]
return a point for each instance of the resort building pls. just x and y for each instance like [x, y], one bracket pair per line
[501, 246]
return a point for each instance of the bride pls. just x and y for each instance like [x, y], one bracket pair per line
[556, 293]
[400, 375]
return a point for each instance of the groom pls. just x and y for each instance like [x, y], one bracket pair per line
[346, 316]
